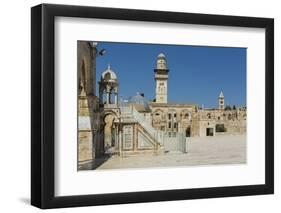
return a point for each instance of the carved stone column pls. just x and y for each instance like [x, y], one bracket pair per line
[116, 98]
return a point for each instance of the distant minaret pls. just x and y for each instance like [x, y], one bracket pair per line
[161, 79]
[221, 101]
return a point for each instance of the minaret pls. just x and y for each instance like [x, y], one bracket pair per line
[221, 101]
[161, 79]
[108, 86]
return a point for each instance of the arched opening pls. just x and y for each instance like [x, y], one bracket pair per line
[187, 132]
[220, 128]
[109, 134]
[108, 88]
[107, 76]
[209, 131]
[111, 97]
[82, 80]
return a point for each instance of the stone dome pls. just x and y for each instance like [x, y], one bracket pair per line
[140, 102]
[109, 75]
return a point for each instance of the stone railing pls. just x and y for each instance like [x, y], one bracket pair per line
[131, 111]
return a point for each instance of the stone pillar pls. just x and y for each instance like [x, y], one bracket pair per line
[91, 87]
[135, 138]
[116, 98]
[117, 137]
[120, 141]
[107, 97]
[108, 131]
[101, 96]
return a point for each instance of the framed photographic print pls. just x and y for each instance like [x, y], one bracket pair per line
[139, 106]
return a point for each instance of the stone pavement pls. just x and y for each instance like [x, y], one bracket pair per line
[224, 149]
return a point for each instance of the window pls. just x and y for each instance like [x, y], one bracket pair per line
[170, 125]
[175, 115]
[170, 116]
[175, 125]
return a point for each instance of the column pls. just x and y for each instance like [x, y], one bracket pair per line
[92, 88]
[107, 97]
[116, 98]
[101, 96]
[120, 141]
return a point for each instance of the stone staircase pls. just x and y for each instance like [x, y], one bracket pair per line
[130, 114]
[151, 138]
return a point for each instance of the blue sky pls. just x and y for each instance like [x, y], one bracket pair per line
[197, 74]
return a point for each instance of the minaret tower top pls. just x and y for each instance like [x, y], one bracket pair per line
[221, 101]
[161, 79]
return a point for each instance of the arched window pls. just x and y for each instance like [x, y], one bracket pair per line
[158, 114]
[170, 125]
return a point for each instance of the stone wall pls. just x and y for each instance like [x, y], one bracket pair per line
[192, 122]
[172, 118]
[88, 106]
[234, 121]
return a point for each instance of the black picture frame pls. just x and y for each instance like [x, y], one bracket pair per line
[43, 105]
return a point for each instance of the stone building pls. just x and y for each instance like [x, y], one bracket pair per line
[161, 79]
[88, 105]
[189, 119]
[111, 125]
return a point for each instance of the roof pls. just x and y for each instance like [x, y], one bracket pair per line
[221, 95]
[108, 74]
[173, 104]
[140, 102]
[161, 55]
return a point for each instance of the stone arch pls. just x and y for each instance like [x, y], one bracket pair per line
[186, 114]
[158, 114]
[82, 77]
[85, 76]
[172, 112]
[188, 131]
[107, 76]
[108, 120]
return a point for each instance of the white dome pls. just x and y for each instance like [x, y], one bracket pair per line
[108, 74]
[161, 55]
